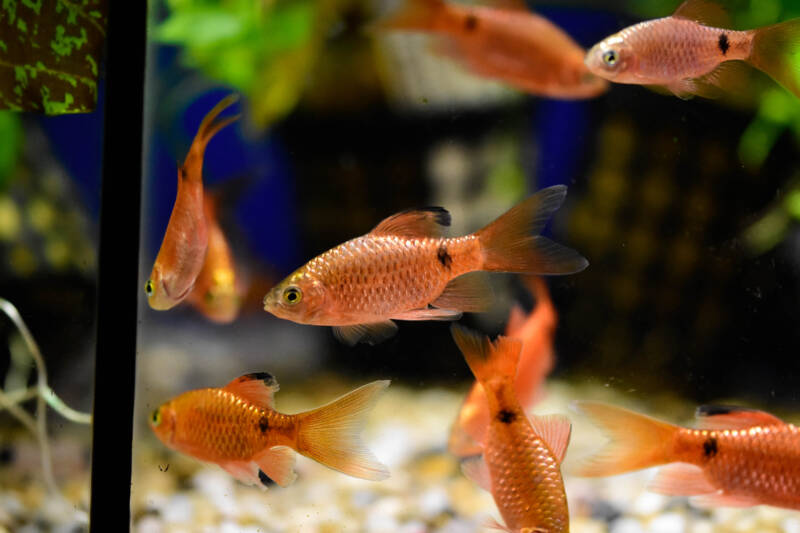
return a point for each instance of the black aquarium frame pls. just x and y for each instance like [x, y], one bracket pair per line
[118, 272]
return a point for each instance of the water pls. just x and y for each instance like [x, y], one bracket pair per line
[686, 211]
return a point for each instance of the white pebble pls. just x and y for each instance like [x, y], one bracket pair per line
[179, 510]
[790, 525]
[149, 524]
[648, 503]
[667, 523]
[626, 525]
[433, 502]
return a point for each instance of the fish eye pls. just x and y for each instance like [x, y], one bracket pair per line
[292, 295]
[148, 288]
[155, 417]
[610, 57]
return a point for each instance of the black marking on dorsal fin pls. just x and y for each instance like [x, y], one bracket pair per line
[442, 215]
[723, 43]
[265, 479]
[266, 377]
[714, 410]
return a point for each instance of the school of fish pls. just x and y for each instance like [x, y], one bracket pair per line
[407, 268]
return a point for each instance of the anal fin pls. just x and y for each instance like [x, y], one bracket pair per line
[428, 314]
[681, 479]
[278, 464]
[372, 333]
[244, 471]
[721, 499]
[469, 292]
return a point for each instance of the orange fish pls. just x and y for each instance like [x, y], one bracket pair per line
[737, 457]
[217, 293]
[535, 362]
[515, 46]
[689, 55]
[521, 463]
[405, 269]
[183, 249]
[238, 428]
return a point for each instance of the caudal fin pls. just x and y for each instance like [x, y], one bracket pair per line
[637, 441]
[209, 127]
[512, 242]
[776, 51]
[330, 434]
[415, 15]
[488, 360]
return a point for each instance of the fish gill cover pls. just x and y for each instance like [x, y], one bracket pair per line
[49, 54]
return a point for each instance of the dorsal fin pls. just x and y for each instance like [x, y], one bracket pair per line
[706, 12]
[717, 417]
[555, 430]
[258, 388]
[424, 222]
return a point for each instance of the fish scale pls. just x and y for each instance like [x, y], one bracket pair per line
[529, 488]
[762, 459]
[379, 275]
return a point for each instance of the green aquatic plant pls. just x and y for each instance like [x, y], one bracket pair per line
[44, 395]
[49, 54]
[263, 48]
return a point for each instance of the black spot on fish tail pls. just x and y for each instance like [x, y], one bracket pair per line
[267, 378]
[505, 416]
[470, 22]
[710, 448]
[444, 257]
[263, 424]
[723, 43]
[264, 479]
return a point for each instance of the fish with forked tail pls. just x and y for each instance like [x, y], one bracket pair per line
[405, 269]
[693, 53]
[237, 427]
[737, 457]
[183, 250]
[505, 43]
[521, 464]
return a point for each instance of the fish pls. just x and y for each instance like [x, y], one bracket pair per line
[736, 457]
[536, 361]
[521, 462]
[405, 269]
[509, 44]
[183, 249]
[238, 428]
[217, 292]
[693, 52]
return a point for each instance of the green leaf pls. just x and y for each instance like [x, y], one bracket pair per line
[49, 52]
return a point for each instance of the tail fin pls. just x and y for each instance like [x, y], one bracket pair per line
[637, 441]
[415, 15]
[512, 244]
[488, 360]
[330, 434]
[776, 51]
[209, 127]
